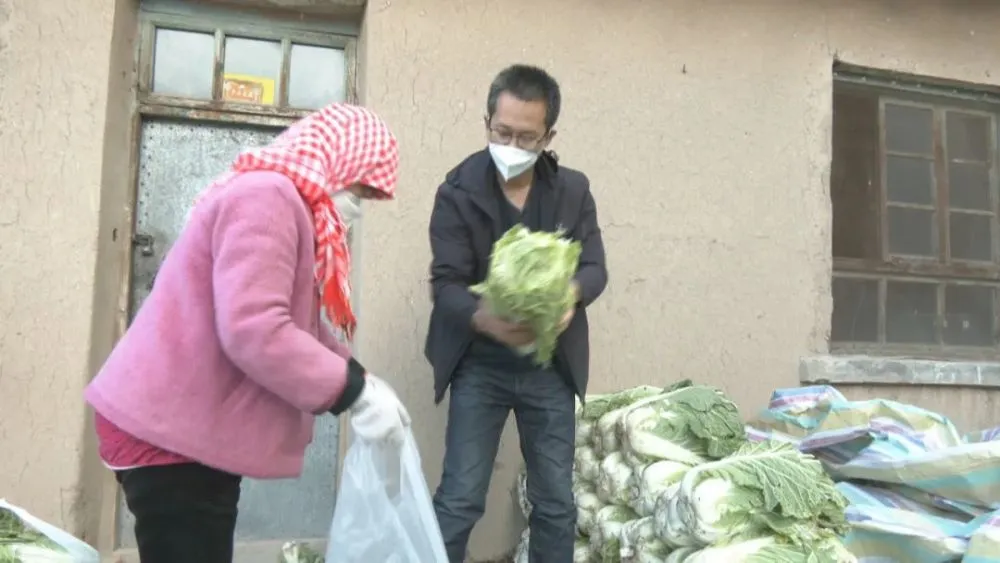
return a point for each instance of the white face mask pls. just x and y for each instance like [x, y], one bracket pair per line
[348, 206]
[512, 161]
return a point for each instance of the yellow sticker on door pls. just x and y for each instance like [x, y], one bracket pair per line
[246, 89]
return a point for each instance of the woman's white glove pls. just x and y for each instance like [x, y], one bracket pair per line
[378, 415]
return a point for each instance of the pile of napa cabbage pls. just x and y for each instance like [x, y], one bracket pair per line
[668, 476]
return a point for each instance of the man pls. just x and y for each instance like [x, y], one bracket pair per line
[515, 180]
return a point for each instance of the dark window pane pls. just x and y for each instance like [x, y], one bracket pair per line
[969, 186]
[968, 136]
[855, 310]
[969, 317]
[910, 312]
[909, 129]
[971, 236]
[909, 180]
[855, 187]
[912, 232]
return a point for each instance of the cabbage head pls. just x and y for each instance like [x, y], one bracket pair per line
[765, 487]
[770, 549]
[649, 482]
[605, 539]
[689, 425]
[529, 280]
[599, 405]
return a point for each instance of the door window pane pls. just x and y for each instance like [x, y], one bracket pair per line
[910, 312]
[968, 319]
[252, 71]
[968, 136]
[969, 186]
[971, 236]
[909, 180]
[912, 232]
[317, 77]
[909, 129]
[855, 310]
[183, 64]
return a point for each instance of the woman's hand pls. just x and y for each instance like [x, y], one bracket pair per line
[378, 415]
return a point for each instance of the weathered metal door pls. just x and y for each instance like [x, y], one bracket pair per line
[177, 159]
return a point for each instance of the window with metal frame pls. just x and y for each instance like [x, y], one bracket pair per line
[913, 183]
[192, 69]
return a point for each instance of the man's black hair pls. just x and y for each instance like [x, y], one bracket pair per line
[529, 84]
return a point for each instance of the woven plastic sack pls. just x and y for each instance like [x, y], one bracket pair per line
[384, 510]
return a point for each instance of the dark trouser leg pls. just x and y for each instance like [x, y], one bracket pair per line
[544, 409]
[478, 409]
[184, 512]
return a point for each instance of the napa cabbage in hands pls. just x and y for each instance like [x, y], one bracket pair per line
[529, 280]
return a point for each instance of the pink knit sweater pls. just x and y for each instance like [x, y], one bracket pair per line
[227, 361]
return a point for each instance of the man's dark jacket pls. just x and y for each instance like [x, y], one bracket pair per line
[465, 223]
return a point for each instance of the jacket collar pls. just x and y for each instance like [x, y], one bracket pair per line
[477, 175]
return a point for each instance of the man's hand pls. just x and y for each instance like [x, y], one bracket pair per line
[505, 332]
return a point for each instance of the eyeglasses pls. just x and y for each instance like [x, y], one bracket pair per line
[503, 136]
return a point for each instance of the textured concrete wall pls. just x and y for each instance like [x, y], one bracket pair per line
[54, 77]
[704, 126]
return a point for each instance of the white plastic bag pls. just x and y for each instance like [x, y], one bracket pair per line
[384, 510]
[72, 549]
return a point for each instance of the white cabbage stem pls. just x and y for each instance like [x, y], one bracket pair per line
[702, 507]
[739, 552]
[635, 536]
[607, 432]
[651, 481]
[613, 480]
[587, 464]
[582, 552]
[680, 555]
[667, 522]
[587, 506]
[584, 432]
[639, 431]
[606, 535]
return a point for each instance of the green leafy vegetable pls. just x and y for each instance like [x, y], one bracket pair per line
[763, 487]
[297, 552]
[771, 550]
[599, 405]
[529, 280]
[20, 543]
[689, 425]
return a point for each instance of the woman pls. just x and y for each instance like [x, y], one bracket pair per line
[227, 362]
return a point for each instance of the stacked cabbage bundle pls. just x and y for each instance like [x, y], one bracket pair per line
[668, 476]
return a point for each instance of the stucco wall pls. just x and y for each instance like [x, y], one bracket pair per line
[54, 77]
[704, 127]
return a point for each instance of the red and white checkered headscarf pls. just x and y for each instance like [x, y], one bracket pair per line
[338, 146]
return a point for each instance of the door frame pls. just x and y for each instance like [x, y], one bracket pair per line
[148, 104]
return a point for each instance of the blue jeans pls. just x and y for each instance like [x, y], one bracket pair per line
[543, 404]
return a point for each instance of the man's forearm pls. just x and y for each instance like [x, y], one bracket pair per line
[591, 280]
[458, 304]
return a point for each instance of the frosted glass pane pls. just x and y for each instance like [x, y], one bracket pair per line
[252, 71]
[182, 64]
[317, 77]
